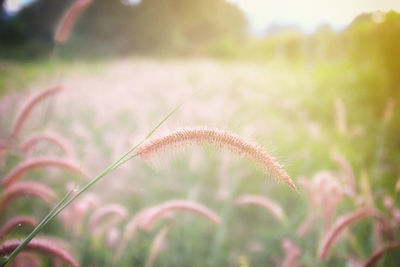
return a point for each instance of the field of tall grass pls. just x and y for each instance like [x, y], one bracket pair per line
[141, 161]
[341, 213]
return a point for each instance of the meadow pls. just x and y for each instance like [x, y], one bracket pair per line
[268, 154]
[107, 107]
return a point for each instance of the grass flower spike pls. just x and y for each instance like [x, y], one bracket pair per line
[69, 19]
[156, 212]
[20, 189]
[49, 137]
[219, 138]
[29, 105]
[15, 174]
[344, 222]
[42, 246]
[264, 202]
[15, 222]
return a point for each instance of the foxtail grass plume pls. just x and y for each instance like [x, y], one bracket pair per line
[17, 172]
[134, 224]
[74, 215]
[113, 236]
[366, 192]
[157, 245]
[307, 223]
[29, 105]
[219, 138]
[324, 192]
[342, 162]
[26, 259]
[309, 187]
[130, 230]
[17, 221]
[330, 193]
[340, 117]
[158, 211]
[42, 246]
[388, 112]
[268, 204]
[69, 19]
[4, 145]
[115, 211]
[49, 137]
[379, 253]
[344, 222]
[21, 189]
[292, 253]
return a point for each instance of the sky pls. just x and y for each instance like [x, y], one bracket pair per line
[308, 14]
[13, 6]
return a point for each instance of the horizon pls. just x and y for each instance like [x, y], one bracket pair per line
[263, 14]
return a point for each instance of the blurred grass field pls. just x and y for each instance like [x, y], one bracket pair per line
[108, 106]
[324, 104]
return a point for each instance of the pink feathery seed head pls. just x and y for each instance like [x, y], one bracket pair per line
[17, 221]
[219, 138]
[77, 212]
[21, 189]
[43, 246]
[157, 245]
[47, 136]
[264, 202]
[388, 203]
[379, 253]
[344, 222]
[396, 216]
[130, 231]
[29, 105]
[4, 145]
[27, 259]
[342, 162]
[340, 117]
[139, 220]
[117, 211]
[305, 226]
[134, 224]
[69, 19]
[309, 187]
[113, 236]
[16, 173]
[91, 200]
[388, 112]
[158, 211]
[292, 253]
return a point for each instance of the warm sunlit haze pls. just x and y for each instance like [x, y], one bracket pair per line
[203, 133]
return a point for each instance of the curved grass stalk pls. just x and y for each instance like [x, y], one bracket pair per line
[43, 246]
[157, 245]
[379, 253]
[17, 190]
[263, 202]
[15, 222]
[158, 211]
[18, 171]
[218, 138]
[66, 201]
[115, 211]
[343, 223]
[69, 19]
[29, 105]
[29, 144]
